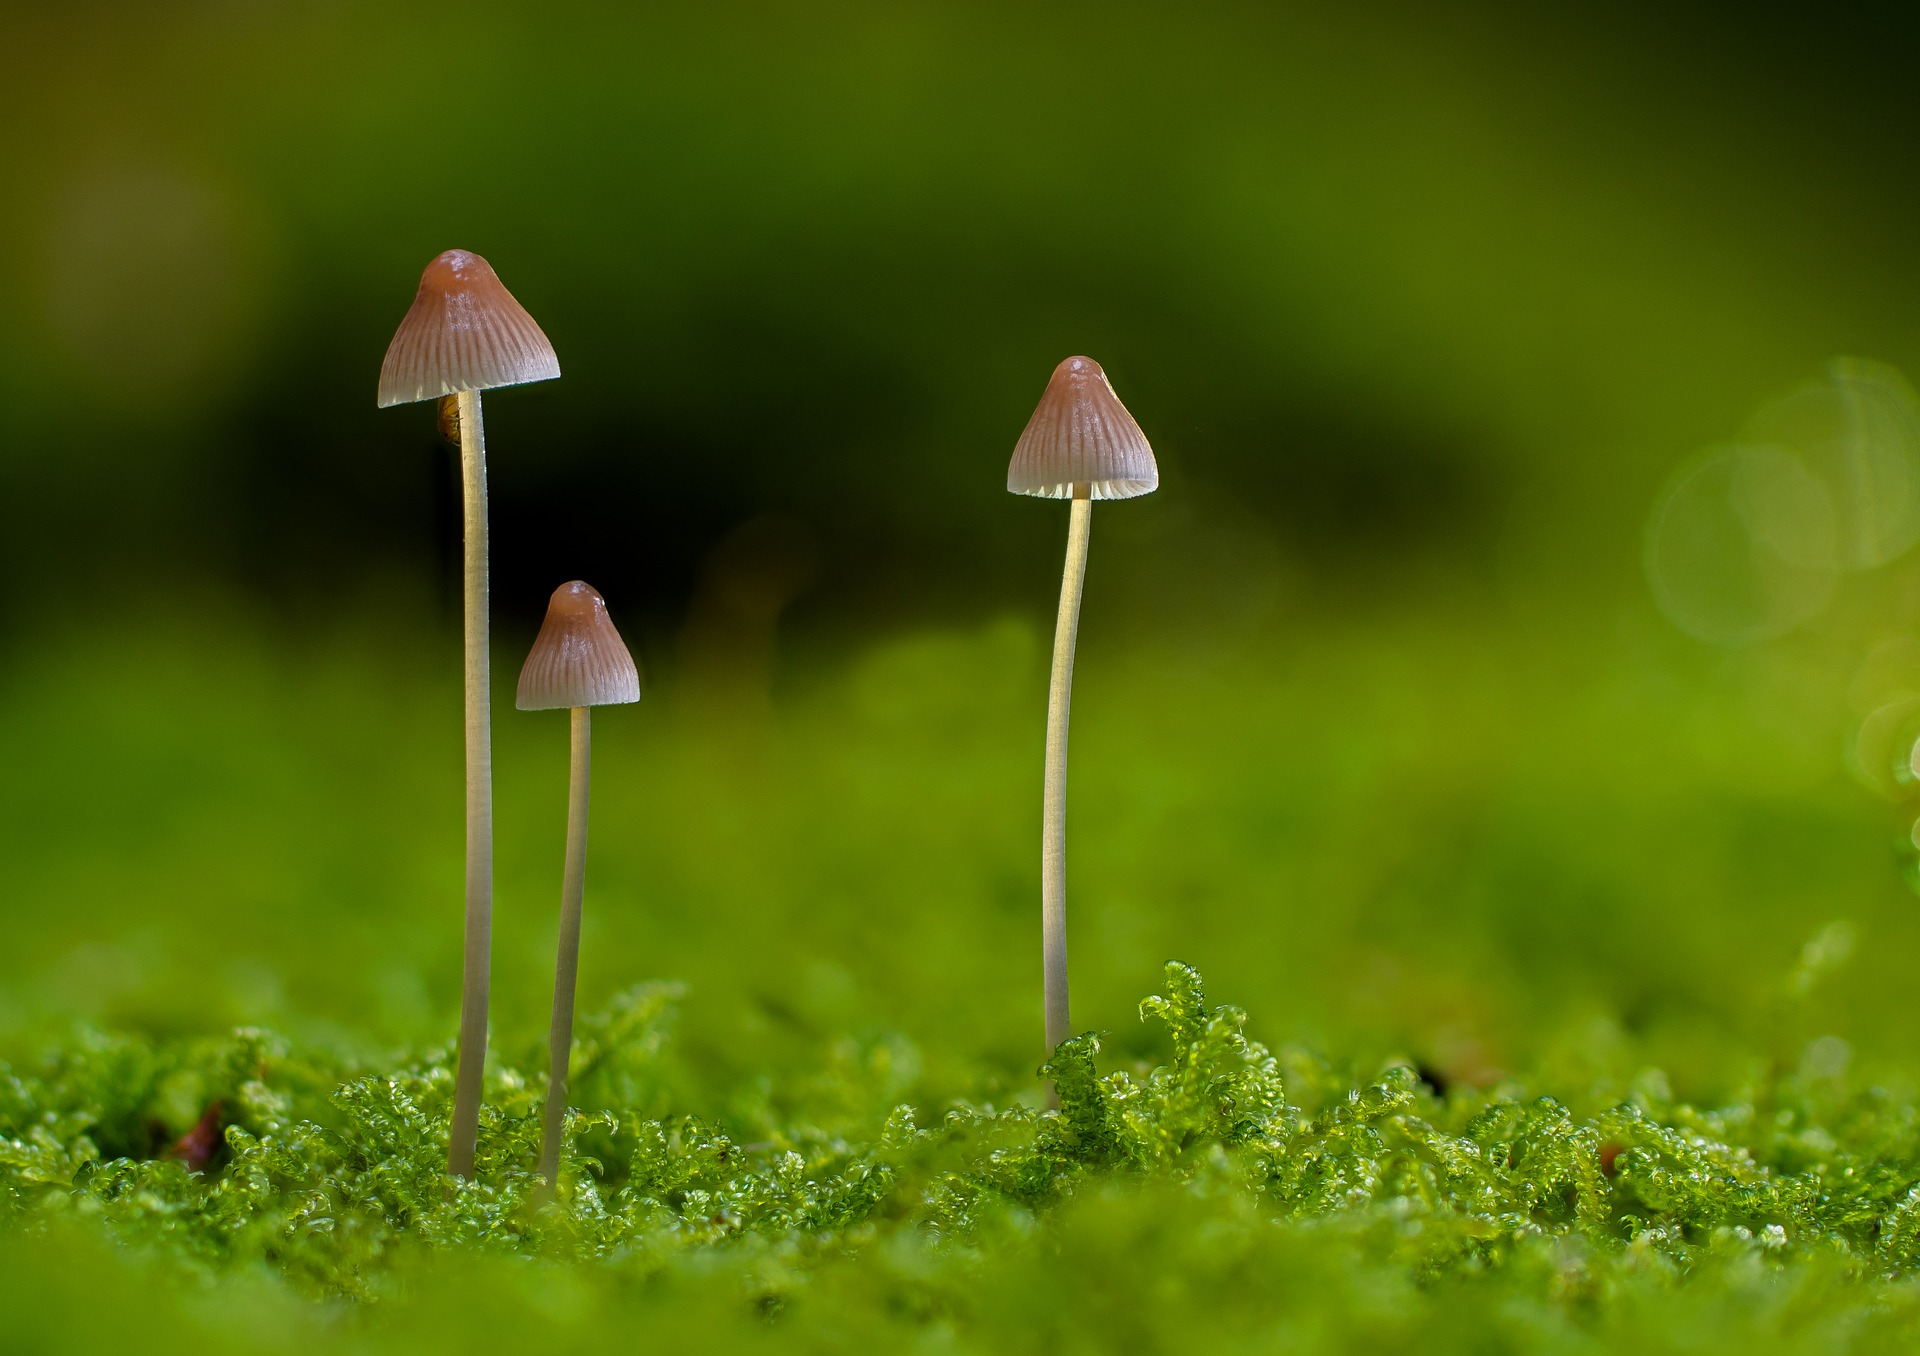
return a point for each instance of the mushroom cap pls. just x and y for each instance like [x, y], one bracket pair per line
[464, 332]
[1080, 433]
[578, 659]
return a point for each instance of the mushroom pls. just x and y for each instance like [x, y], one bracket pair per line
[578, 661]
[1081, 444]
[464, 334]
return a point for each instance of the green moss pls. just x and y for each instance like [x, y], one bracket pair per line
[1147, 1192]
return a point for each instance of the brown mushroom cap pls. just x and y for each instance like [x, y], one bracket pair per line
[464, 332]
[578, 659]
[1081, 434]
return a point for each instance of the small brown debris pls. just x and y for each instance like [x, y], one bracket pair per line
[197, 1147]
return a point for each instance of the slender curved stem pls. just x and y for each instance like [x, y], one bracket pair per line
[479, 940]
[566, 969]
[1053, 827]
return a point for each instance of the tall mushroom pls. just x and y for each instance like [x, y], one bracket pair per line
[578, 661]
[465, 334]
[1081, 444]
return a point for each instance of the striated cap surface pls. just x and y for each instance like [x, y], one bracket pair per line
[578, 659]
[1081, 434]
[464, 332]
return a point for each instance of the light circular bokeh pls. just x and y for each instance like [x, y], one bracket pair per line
[1858, 432]
[1743, 544]
[1883, 750]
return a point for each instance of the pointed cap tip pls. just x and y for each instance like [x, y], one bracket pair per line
[1080, 434]
[464, 332]
[578, 659]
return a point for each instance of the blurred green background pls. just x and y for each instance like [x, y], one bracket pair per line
[1377, 720]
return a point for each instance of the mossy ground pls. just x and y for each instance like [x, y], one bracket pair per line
[1578, 1015]
[1248, 1200]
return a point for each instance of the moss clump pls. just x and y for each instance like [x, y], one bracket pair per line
[332, 1180]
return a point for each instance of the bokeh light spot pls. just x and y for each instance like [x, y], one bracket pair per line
[1883, 749]
[1858, 432]
[1742, 545]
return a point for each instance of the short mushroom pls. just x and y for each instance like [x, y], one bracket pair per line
[579, 662]
[464, 334]
[1081, 444]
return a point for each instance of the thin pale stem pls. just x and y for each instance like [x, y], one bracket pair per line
[479, 941]
[566, 969]
[1053, 828]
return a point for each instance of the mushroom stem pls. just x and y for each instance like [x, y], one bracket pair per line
[566, 969]
[479, 925]
[1053, 829]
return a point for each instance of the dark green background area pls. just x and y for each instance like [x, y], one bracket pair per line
[1392, 282]
[1376, 722]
